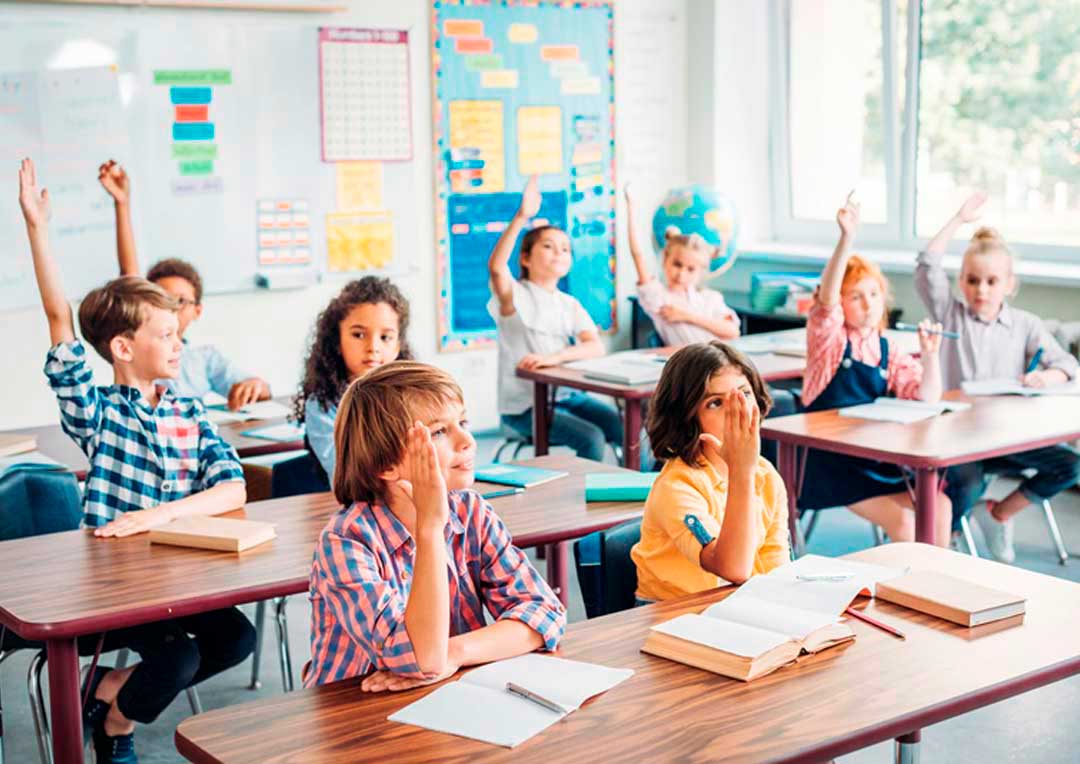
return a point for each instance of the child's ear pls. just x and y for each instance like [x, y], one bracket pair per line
[392, 475]
[198, 311]
[120, 348]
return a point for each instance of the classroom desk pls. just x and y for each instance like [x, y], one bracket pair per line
[772, 367]
[114, 583]
[843, 699]
[993, 426]
[54, 443]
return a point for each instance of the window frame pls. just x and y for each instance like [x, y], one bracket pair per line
[901, 154]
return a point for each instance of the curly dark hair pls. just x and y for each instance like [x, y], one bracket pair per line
[325, 375]
[673, 425]
[180, 268]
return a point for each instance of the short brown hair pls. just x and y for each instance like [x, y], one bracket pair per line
[374, 418]
[674, 430]
[179, 268]
[119, 308]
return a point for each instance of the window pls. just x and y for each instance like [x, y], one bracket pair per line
[997, 89]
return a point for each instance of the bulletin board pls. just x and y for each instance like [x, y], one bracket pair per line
[521, 87]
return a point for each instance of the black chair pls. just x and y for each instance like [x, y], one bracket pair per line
[606, 574]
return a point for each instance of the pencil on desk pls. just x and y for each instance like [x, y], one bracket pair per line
[874, 622]
[504, 492]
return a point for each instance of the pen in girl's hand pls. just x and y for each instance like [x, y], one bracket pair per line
[901, 326]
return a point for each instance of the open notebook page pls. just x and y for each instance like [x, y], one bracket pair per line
[734, 638]
[568, 683]
[786, 619]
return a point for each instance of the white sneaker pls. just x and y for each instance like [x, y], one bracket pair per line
[998, 535]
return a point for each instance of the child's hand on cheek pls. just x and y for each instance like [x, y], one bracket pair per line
[427, 483]
[742, 440]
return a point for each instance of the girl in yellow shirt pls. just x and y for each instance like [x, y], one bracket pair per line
[718, 511]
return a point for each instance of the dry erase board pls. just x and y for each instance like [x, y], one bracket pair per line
[521, 88]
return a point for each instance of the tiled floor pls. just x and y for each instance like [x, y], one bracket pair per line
[1032, 728]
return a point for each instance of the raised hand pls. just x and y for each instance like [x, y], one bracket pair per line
[427, 482]
[112, 177]
[971, 209]
[929, 338]
[847, 217]
[530, 200]
[34, 201]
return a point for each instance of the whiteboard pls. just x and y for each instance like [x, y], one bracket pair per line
[265, 117]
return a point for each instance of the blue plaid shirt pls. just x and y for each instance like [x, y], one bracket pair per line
[140, 456]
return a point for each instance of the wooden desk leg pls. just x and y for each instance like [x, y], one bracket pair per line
[926, 491]
[540, 419]
[631, 439]
[907, 748]
[558, 575]
[787, 457]
[65, 707]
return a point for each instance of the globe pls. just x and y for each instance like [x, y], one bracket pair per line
[704, 211]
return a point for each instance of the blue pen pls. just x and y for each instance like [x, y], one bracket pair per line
[902, 327]
[504, 492]
[1034, 361]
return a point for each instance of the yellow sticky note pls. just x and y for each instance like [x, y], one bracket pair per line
[539, 140]
[359, 242]
[476, 132]
[499, 78]
[522, 33]
[359, 185]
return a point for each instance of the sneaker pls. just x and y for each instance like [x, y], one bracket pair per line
[114, 750]
[998, 535]
[94, 710]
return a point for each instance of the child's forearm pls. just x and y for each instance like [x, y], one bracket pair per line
[593, 348]
[427, 614]
[125, 241]
[644, 275]
[725, 328]
[502, 280]
[223, 497]
[833, 275]
[502, 639]
[940, 242]
[930, 388]
[57, 309]
[731, 554]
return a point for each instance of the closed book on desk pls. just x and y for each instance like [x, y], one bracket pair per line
[31, 461]
[629, 368]
[223, 534]
[953, 599]
[746, 638]
[618, 486]
[16, 443]
[517, 475]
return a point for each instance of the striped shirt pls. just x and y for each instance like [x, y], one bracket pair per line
[826, 337]
[363, 569]
[140, 456]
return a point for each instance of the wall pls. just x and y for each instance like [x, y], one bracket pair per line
[267, 332]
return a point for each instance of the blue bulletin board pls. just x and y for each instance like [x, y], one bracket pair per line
[521, 87]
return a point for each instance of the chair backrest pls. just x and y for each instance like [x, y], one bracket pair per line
[606, 574]
[299, 475]
[33, 503]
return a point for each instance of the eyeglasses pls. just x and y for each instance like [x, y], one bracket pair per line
[184, 302]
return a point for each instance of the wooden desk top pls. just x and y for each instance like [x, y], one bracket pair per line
[54, 443]
[993, 426]
[771, 366]
[72, 583]
[835, 702]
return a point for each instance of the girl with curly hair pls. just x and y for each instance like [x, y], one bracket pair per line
[362, 328]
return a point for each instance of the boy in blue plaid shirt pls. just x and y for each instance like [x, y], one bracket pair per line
[153, 458]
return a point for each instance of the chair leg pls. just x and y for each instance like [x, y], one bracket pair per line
[283, 644]
[194, 700]
[811, 518]
[256, 655]
[4, 655]
[37, 707]
[503, 444]
[879, 535]
[122, 657]
[521, 445]
[969, 539]
[1055, 532]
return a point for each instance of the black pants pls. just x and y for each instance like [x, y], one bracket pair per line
[175, 655]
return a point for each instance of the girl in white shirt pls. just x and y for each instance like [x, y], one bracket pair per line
[540, 326]
[682, 311]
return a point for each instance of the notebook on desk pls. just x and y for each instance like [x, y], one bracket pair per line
[223, 534]
[1006, 386]
[479, 706]
[626, 368]
[31, 461]
[286, 432]
[219, 413]
[901, 411]
[517, 475]
[619, 486]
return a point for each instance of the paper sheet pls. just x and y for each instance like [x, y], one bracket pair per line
[286, 432]
[734, 638]
[1015, 387]
[568, 683]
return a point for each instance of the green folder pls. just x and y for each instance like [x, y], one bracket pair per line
[618, 486]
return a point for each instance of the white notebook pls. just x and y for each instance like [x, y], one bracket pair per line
[1008, 386]
[901, 411]
[478, 706]
[218, 413]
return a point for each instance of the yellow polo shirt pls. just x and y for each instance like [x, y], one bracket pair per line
[668, 557]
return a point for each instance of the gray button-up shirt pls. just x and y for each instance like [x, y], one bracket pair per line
[1001, 348]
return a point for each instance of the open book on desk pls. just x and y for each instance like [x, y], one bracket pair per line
[1006, 386]
[479, 705]
[625, 368]
[901, 411]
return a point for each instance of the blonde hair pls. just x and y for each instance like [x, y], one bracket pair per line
[859, 268]
[673, 237]
[118, 309]
[986, 241]
[374, 418]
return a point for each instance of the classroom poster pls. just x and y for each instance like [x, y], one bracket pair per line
[359, 241]
[522, 87]
[194, 97]
[284, 232]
